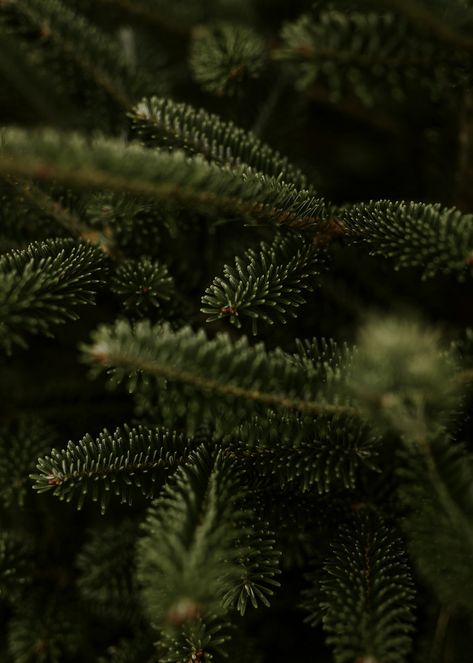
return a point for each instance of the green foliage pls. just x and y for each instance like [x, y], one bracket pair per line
[19, 69]
[107, 563]
[364, 594]
[44, 633]
[326, 362]
[402, 377]
[143, 284]
[100, 194]
[20, 445]
[436, 239]
[90, 58]
[15, 563]
[266, 285]
[322, 454]
[437, 491]
[216, 381]
[258, 564]
[109, 164]
[126, 463]
[369, 54]
[200, 556]
[42, 284]
[161, 122]
[137, 650]
[224, 56]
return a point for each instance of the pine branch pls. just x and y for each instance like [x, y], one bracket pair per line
[109, 164]
[365, 594]
[40, 287]
[161, 122]
[437, 239]
[268, 285]
[224, 381]
[128, 462]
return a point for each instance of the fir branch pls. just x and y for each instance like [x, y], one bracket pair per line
[46, 629]
[144, 284]
[368, 53]
[109, 164]
[202, 553]
[129, 462]
[75, 39]
[187, 557]
[268, 285]
[161, 122]
[258, 564]
[225, 381]
[435, 238]
[365, 594]
[224, 56]
[304, 453]
[40, 287]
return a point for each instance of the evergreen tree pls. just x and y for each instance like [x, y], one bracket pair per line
[236, 245]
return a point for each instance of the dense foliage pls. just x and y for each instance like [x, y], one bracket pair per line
[236, 331]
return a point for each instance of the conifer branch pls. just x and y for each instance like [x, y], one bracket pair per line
[364, 594]
[224, 378]
[367, 53]
[438, 239]
[41, 285]
[162, 122]
[128, 462]
[268, 285]
[199, 555]
[92, 52]
[436, 488]
[110, 165]
[303, 453]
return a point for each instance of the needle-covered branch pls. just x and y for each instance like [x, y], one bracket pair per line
[42, 285]
[267, 285]
[216, 381]
[187, 182]
[161, 122]
[125, 463]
